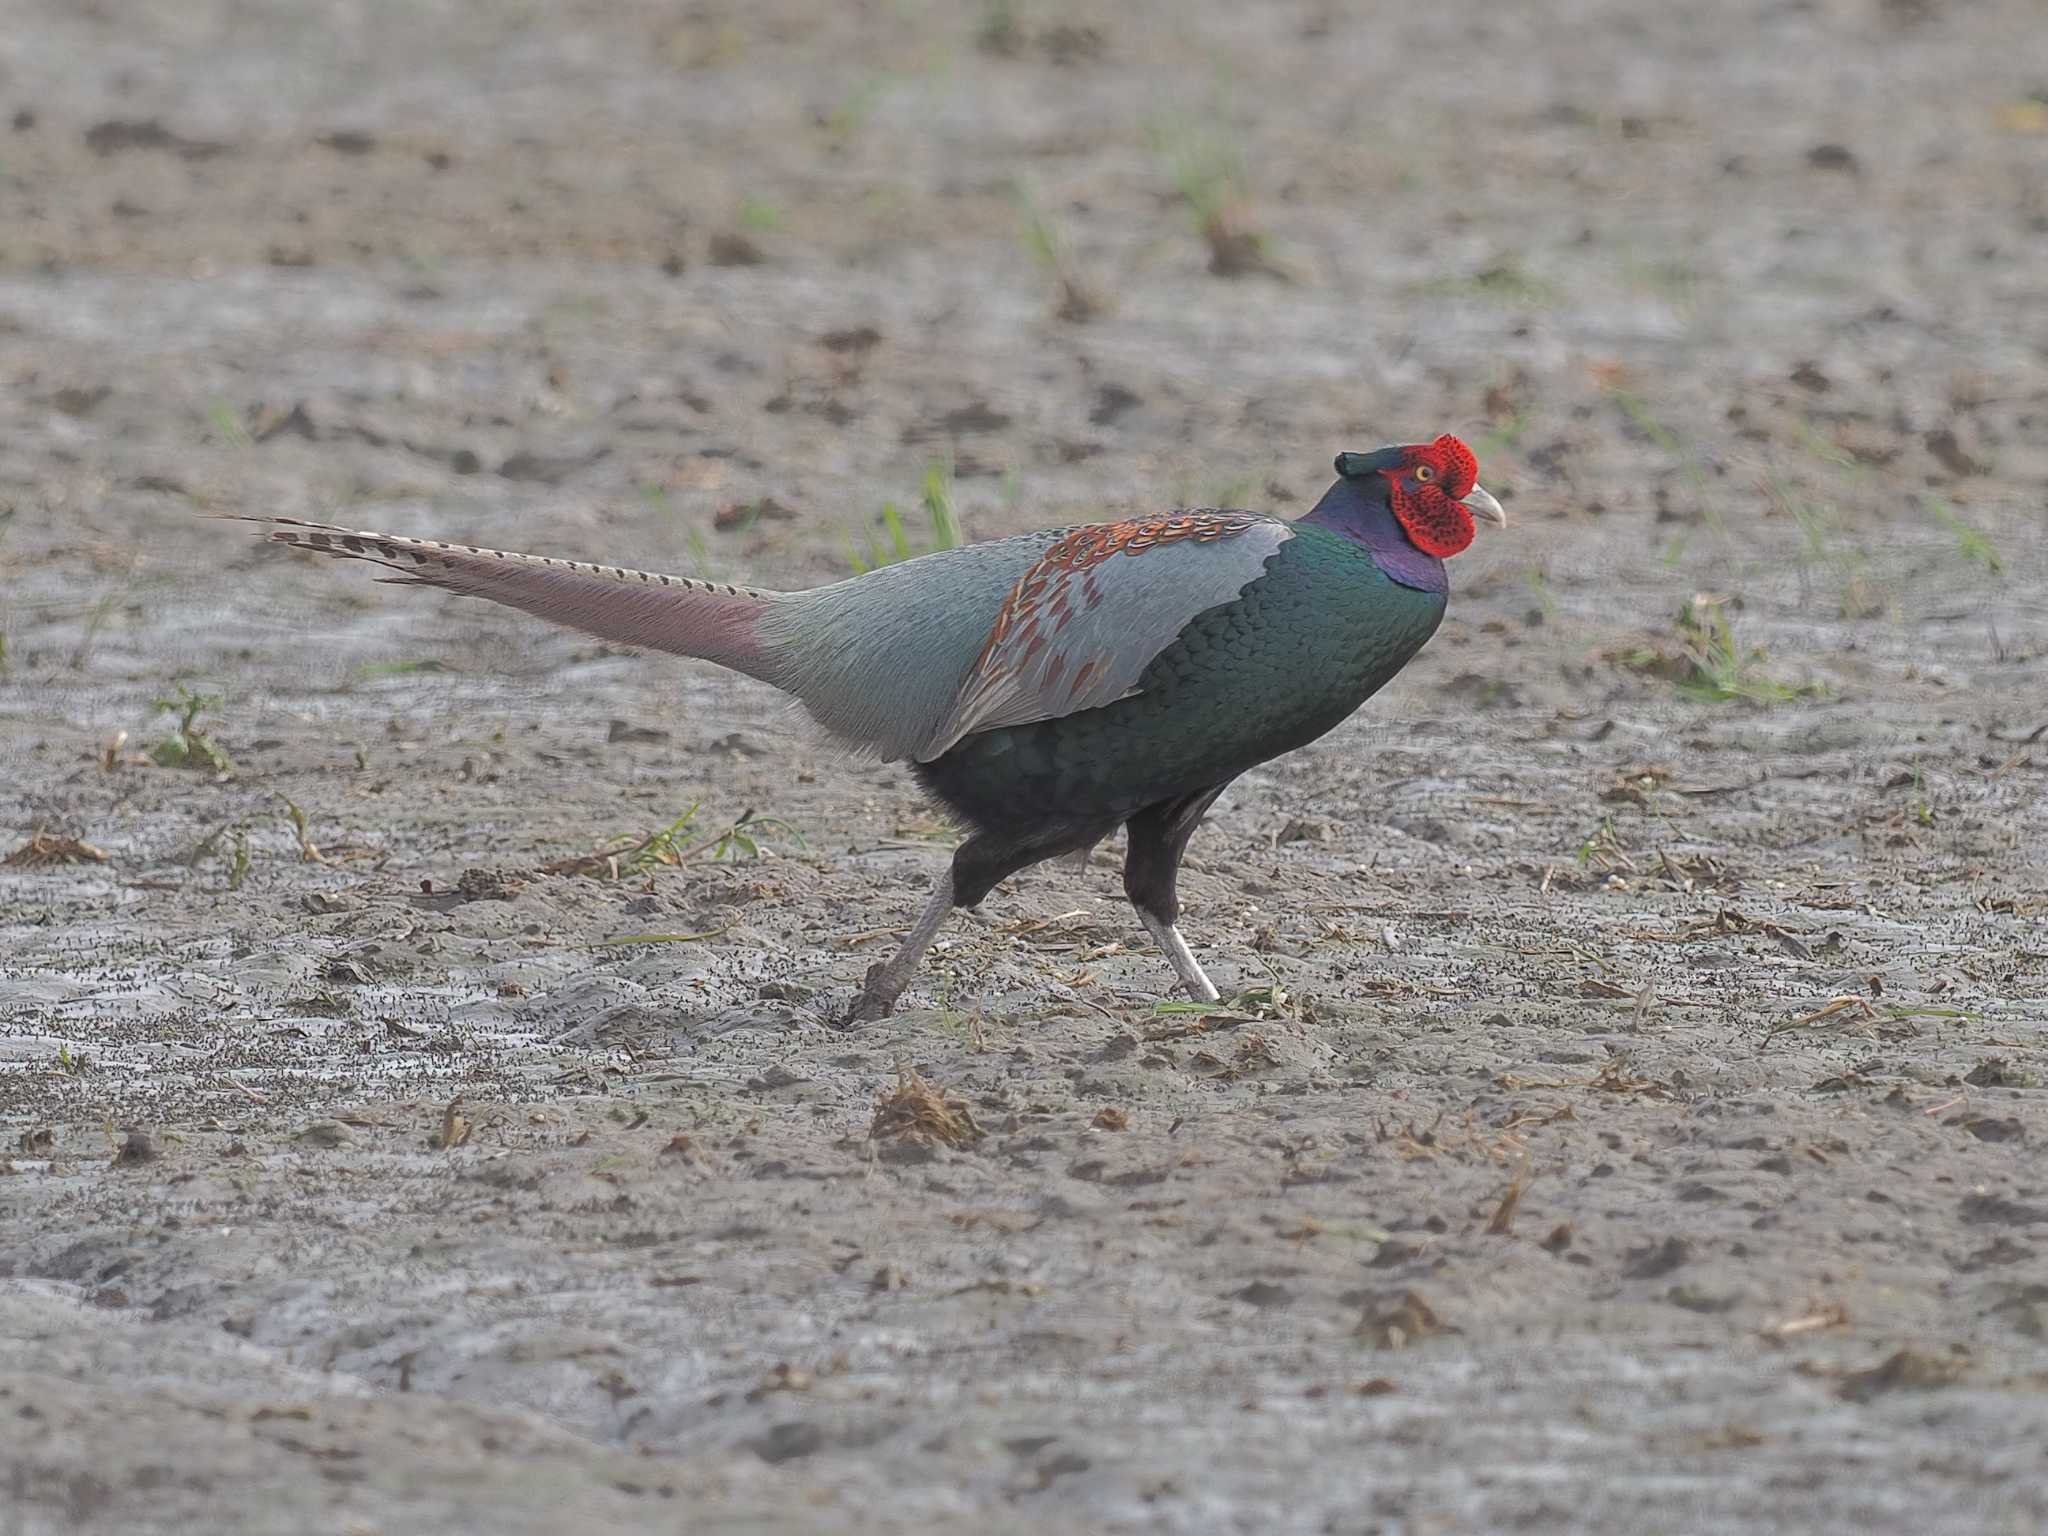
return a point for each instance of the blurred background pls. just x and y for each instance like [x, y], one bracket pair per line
[1718, 797]
[1731, 288]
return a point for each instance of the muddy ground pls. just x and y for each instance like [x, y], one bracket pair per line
[1632, 1117]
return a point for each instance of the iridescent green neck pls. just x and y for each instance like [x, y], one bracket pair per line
[1360, 510]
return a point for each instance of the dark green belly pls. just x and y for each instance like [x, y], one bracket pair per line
[1291, 658]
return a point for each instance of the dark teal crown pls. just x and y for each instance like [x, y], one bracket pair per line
[1356, 466]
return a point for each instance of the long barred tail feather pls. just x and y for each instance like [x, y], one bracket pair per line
[715, 621]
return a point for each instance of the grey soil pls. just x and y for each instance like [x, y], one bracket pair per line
[1632, 1117]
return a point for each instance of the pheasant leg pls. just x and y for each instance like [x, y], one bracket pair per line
[1185, 965]
[1158, 836]
[886, 979]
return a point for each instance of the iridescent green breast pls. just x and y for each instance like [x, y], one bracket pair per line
[1290, 658]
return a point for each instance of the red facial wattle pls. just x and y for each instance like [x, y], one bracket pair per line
[1427, 491]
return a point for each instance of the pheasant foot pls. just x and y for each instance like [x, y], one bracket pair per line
[886, 979]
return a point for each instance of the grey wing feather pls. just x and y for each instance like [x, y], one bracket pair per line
[1084, 638]
[878, 659]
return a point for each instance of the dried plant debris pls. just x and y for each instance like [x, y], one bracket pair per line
[44, 850]
[1831, 1315]
[1907, 1370]
[1616, 1075]
[1401, 1321]
[918, 1112]
[1502, 1222]
[455, 1129]
[1463, 1139]
[1997, 1072]
[483, 884]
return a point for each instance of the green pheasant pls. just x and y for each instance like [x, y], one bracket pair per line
[1051, 687]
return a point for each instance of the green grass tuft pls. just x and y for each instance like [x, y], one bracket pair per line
[186, 745]
[1209, 175]
[1707, 664]
[363, 671]
[742, 839]
[1819, 522]
[892, 544]
[1269, 1001]
[227, 421]
[1972, 543]
[1723, 671]
[1053, 252]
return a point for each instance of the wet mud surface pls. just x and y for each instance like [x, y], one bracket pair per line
[1632, 1114]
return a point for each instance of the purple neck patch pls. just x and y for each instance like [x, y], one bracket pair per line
[1362, 511]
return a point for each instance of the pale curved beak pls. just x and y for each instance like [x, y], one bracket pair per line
[1482, 506]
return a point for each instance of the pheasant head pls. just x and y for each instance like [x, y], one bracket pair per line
[1433, 489]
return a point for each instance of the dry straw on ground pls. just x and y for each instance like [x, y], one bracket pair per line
[917, 1111]
[44, 849]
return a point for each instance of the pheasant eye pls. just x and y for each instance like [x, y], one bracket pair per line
[1424, 473]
